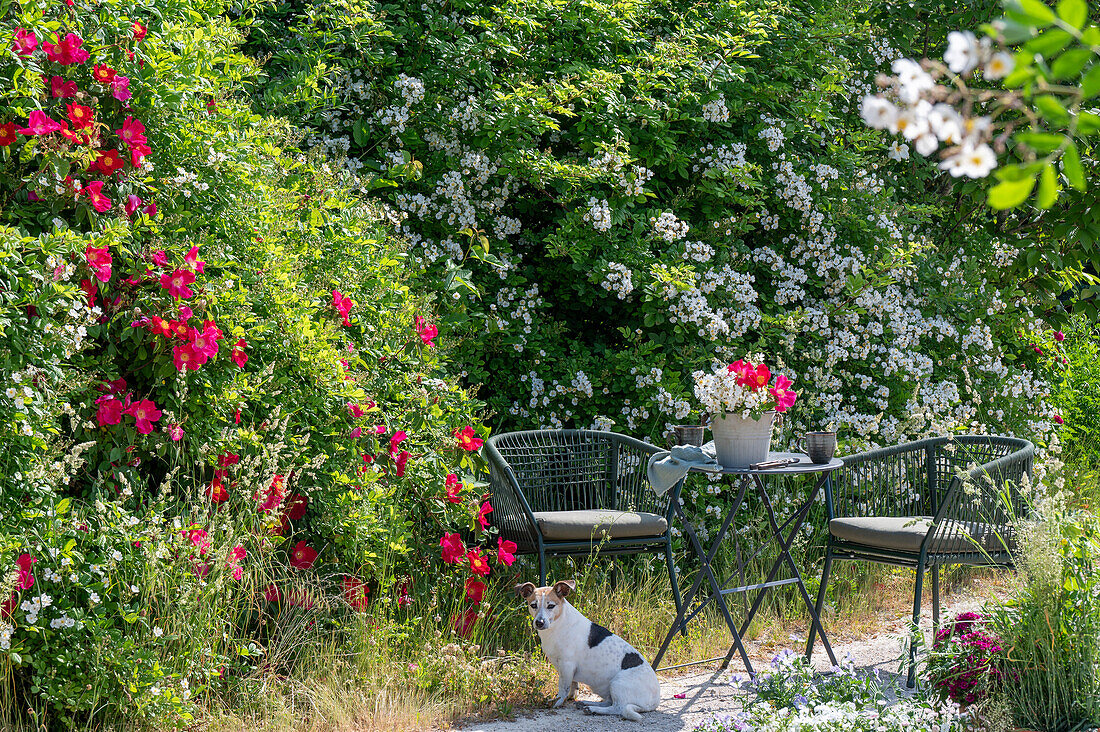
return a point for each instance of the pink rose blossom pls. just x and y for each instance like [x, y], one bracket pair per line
[133, 203]
[25, 42]
[144, 413]
[39, 123]
[177, 283]
[99, 260]
[110, 411]
[192, 260]
[400, 462]
[120, 88]
[239, 356]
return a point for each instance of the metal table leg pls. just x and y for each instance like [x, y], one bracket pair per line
[707, 572]
[785, 557]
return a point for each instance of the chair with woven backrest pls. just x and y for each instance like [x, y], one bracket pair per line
[926, 504]
[573, 492]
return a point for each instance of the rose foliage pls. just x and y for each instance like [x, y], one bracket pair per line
[221, 405]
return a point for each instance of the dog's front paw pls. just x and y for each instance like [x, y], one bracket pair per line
[558, 701]
[580, 705]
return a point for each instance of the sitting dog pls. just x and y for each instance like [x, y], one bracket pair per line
[585, 652]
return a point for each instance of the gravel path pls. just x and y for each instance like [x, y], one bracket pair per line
[708, 692]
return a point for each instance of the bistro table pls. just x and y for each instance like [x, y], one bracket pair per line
[747, 478]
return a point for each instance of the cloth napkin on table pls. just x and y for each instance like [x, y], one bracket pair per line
[666, 469]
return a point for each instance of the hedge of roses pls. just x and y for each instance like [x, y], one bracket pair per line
[221, 406]
[609, 206]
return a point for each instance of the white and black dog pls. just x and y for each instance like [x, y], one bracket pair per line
[587, 653]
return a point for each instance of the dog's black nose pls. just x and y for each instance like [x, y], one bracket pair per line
[540, 623]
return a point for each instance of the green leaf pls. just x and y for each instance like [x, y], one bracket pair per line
[1049, 43]
[1073, 12]
[1090, 85]
[1052, 109]
[1041, 142]
[360, 132]
[1048, 188]
[1070, 63]
[1010, 193]
[1071, 166]
[1017, 172]
[1036, 11]
[1015, 32]
[1087, 123]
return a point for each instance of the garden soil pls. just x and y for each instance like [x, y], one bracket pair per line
[690, 698]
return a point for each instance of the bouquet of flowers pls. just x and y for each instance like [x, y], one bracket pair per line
[744, 389]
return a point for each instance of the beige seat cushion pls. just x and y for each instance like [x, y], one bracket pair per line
[601, 524]
[906, 534]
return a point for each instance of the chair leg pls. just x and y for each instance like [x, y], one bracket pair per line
[820, 601]
[911, 680]
[675, 584]
[542, 567]
[935, 597]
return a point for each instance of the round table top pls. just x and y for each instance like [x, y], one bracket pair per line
[804, 465]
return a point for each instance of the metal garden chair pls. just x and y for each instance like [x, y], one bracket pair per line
[572, 492]
[925, 504]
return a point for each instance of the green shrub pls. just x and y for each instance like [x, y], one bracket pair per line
[610, 205]
[1051, 629]
[1078, 393]
[315, 427]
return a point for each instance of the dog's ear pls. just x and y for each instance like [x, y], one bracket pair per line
[565, 588]
[525, 590]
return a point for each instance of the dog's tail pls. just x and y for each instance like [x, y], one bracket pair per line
[630, 711]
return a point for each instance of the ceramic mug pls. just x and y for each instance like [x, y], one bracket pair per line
[820, 446]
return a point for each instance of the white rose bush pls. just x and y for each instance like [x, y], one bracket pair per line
[590, 218]
[1017, 103]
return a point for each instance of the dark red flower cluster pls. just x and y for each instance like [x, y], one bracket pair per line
[356, 593]
[976, 664]
[477, 564]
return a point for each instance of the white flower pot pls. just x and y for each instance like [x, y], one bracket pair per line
[740, 442]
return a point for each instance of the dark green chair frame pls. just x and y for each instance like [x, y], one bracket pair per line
[573, 470]
[925, 478]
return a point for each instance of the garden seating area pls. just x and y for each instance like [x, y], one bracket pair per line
[575, 492]
[754, 333]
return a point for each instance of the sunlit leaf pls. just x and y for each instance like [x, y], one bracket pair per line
[1071, 166]
[1051, 108]
[1070, 63]
[1035, 10]
[1073, 12]
[1048, 188]
[1010, 193]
